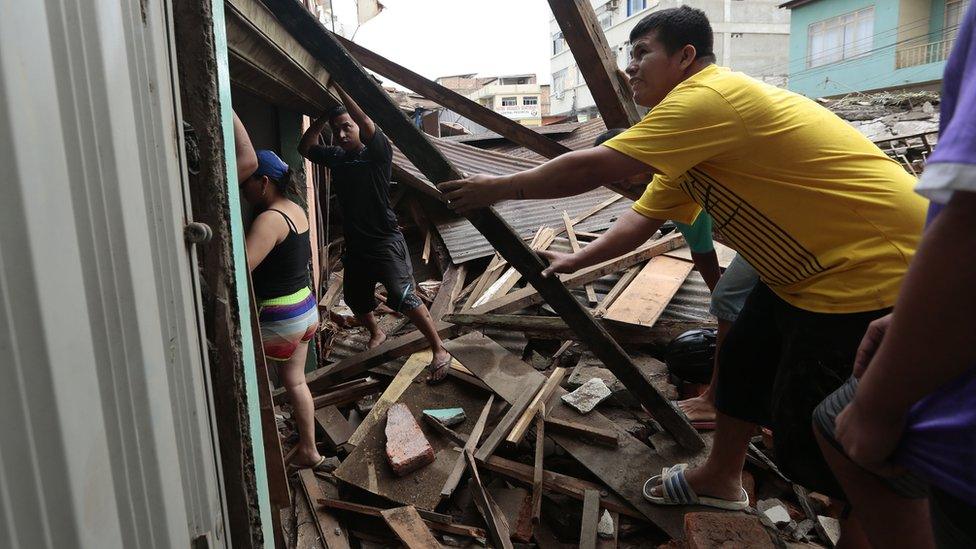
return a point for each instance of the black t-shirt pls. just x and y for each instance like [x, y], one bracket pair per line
[362, 183]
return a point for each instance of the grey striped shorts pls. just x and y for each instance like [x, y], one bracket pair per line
[907, 485]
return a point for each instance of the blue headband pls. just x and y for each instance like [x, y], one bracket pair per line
[270, 165]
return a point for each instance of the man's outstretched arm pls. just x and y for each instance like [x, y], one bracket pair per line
[567, 175]
[366, 126]
[311, 136]
[630, 231]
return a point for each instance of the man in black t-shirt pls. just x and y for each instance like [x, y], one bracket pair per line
[361, 163]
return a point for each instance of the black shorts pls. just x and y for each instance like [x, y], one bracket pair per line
[775, 366]
[387, 263]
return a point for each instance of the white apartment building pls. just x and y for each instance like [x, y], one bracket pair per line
[751, 36]
[516, 96]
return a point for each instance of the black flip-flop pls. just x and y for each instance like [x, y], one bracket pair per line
[437, 368]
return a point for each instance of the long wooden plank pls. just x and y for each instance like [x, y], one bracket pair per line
[591, 515]
[331, 531]
[506, 374]
[551, 327]
[410, 528]
[618, 288]
[606, 437]
[453, 278]
[439, 525]
[558, 483]
[504, 426]
[335, 426]
[537, 405]
[498, 528]
[596, 63]
[502, 125]
[408, 372]
[479, 427]
[575, 247]
[416, 145]
[650, 292]
[537, 472]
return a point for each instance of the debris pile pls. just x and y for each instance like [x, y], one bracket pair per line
[531, 439]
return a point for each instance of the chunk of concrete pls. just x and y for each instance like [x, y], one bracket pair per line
[605, 528]
[831, 526]
[588, 395]
[448, 417]
[407, 449]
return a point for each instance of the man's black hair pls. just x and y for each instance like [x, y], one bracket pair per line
[607, 135]
[336, 112]
[677, 27]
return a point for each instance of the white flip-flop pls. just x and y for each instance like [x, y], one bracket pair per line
[678, 492]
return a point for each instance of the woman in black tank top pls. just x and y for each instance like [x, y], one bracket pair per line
[278, 256]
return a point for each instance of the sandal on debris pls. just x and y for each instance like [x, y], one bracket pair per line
[435, 368]
[319, 466]
[678, 492]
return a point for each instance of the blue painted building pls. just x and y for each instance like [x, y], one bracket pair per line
[843, 46]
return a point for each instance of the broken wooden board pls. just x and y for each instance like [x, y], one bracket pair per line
[575, 247]
[473, 437]
[332, 534]
[410, 528]
[537, 471]
[516, 506]
[584, 35]
[650, 292]
[724, 253]
[432, 522]
[591, 516]
[623, 469]
[336, 427]
[408, 372]
[519, 404]
[347, 393]
[367, 467]
[558, 483]
[498, 528]
[553, 327]
[539, 403]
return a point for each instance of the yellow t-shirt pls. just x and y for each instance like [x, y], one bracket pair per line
[828, 220]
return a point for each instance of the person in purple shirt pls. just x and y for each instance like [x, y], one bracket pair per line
[901, 434]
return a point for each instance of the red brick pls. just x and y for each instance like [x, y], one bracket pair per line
[725, 531]
[407, 448]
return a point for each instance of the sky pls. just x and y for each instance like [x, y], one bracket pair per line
[447, 37]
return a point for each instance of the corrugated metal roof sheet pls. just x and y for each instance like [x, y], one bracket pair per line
[487, 136]
[580, 138]
[465, 243]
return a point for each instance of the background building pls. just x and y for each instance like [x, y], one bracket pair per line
[516, 96]
[751, 36]
[843, 46]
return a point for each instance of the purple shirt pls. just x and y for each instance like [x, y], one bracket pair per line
[939, 443]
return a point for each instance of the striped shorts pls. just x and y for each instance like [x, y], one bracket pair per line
[287, 322]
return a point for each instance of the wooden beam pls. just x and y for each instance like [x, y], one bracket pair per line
[479, 427]
[439, 525]
[537, 471]
[552, 327]
[408, 372]
[409, 527]
[348, 393]
[422, 153]
[336, 427]
[614, 293]
[508, 421]
[591, 516]
[584, 36]
[498, 529]
[331, 531]
[502, 125]
[537, 405]
[444, 430]
[558, 483]
[575, 247]
[604, 437]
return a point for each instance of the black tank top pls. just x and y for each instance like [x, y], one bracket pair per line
[284, 270]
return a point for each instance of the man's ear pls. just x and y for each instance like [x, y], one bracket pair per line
[688, 54]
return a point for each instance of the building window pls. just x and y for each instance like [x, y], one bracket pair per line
[559, 83]
[530, 100]
[558, 43]
[509, 101]
[842, 37]
[954, 11]
[634, 6]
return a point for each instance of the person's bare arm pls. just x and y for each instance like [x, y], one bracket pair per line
[366, 126]
[708, 267]
[311, 135]
[630, 231]
[567, 175]
[268, 229]
[934, 306]
[247, 159]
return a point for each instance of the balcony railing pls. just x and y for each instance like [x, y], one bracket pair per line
[922, 54]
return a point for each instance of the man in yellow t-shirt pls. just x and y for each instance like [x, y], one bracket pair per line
[828, 221]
